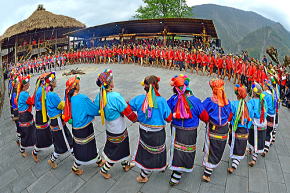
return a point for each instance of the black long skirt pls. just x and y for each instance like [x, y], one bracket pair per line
[151, 150]
[27, 128]
[276, 120]
[215, 143]
[61, 136]
[257, 137]
[269, 130]
[117, 147]
[43, 133]
[183, 148]
[16, 120]
[238, 141]
[85, 149]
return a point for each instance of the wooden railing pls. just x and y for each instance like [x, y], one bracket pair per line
[47, 43]
[2, 88]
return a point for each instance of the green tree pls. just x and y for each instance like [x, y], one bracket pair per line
[154, 9]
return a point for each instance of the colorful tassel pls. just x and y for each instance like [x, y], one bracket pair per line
[150, 101]
[182, 108]
[103, 103]
[43, 106]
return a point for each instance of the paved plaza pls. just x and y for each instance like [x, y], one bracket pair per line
[17, 174]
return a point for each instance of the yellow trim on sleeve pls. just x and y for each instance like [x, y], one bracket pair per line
[61, 105]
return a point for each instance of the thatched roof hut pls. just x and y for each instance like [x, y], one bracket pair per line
[41, 19]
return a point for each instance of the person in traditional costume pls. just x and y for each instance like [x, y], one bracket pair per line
[61, 136]
[153, 113]
[238, 136]
[26, 122]
[187, 110]
[15, 84]
[276, 95]
[257, 132]
[113, 108]
[216, 136]
[80, 111]
[43, 133]
[269, 97]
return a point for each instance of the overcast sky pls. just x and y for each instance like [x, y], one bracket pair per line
[94, 12]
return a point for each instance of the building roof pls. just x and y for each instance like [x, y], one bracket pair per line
[178, 26]
[41, 19]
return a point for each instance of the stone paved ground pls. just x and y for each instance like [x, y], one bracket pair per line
[17, 174]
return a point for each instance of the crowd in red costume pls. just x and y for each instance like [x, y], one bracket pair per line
[181, 55]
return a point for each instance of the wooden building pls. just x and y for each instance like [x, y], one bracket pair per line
[149, 28]
[41, 33]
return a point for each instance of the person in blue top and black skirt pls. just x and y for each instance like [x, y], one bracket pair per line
[239, 132]
[80, 112]
[269, 98]
[43, 133]
[14, 108]
[113, 108]
[26, 122]
[257, 133]
[62, 138]
[216, 135]
[187, 110]
[153, 113]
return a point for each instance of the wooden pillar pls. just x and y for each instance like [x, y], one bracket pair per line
[203, 35]
[164, 40]
[15, 51]
[68, 43]
[30, 39]
[1, 55]
[74, 43]
[121, 40]
[55, 45]
[164, 32]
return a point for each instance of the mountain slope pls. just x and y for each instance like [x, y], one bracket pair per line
[256, 42]
[240, 29]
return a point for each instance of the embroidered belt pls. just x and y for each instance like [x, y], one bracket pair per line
[55, 128]
[152, 149]
[77, 128]
[55, 116]
[83, 141]
[22, 111]
[219, 136]
[241, 136]
[214, 126]
[184, 128]
[117, 139]
[27, 124]
[270, 124]
[145, 126]
[184, 148]
[42, 126]
[261, 128]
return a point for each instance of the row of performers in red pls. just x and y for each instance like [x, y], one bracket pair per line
[42, 63]
[227, 65]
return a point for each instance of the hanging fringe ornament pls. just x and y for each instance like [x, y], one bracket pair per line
[182, 108]
[43, 106]
[103, 103]
[239, 116]
[17, 94]
[262, 109]
[150, 101]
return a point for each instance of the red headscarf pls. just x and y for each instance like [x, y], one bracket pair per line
[240, 91]
[218, 92]
[242, 113]
[182, 108]
[70, 84]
